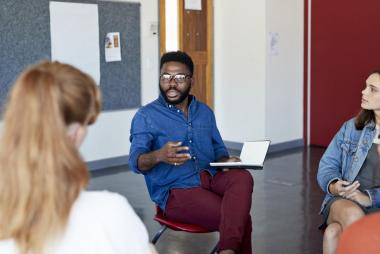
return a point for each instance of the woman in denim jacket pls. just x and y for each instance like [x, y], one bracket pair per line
[349, 171]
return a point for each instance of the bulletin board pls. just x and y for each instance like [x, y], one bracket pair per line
[120, 81]
[25, 40]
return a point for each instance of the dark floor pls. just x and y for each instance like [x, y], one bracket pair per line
[285, 207]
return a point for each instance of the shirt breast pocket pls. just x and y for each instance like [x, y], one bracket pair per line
[203, 134]
[348, 155]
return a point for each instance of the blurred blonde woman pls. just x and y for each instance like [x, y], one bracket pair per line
[43, 205]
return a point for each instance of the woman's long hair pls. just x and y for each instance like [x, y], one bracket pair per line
[365, 116]
[41, 171]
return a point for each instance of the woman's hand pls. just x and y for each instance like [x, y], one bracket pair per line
[343, 188]
[360, 197]
[350, 191]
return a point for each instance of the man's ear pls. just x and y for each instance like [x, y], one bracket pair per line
[191, 82]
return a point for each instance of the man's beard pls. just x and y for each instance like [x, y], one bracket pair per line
[183, 95]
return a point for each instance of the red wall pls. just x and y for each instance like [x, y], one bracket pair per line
[345, 48]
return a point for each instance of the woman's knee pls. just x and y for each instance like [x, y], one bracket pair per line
[345, 212]
[332, 232]
[351, 214]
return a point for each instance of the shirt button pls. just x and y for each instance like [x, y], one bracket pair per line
[194, 158]
[178, 111]
[190, 141]
[189, 124]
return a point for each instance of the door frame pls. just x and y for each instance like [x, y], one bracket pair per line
[210, 42]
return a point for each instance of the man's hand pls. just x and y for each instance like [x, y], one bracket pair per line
[233, 159]
[229, 159]
[171, 153]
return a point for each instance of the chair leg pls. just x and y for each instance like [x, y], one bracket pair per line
[214, 249]
[158, 234]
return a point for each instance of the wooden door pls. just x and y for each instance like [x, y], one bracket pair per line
[195, 38]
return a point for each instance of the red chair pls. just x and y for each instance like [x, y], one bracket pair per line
[176, 226]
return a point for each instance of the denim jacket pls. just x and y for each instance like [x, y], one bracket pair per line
[344, 158]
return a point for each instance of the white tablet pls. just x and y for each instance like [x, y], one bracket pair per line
[252, 156]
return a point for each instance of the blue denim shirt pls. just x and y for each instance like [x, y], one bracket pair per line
[158, 123]
[344, 158]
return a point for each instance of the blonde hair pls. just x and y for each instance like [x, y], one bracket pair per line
[41, 171]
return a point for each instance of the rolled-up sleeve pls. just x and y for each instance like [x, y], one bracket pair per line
[374, 196]
[141, 140]
[330, 165]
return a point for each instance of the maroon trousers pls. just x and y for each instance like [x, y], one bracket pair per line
[222, 203]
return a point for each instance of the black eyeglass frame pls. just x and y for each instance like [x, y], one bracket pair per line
[174, 77]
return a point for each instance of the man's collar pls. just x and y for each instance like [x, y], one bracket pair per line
[162, 100]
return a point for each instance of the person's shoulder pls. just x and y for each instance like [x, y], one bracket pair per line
[349, 125]
[203, 107]
[114, 212]
[351, 121]
[102, 194]
[151, 104]
[149, 108]
[102, 222]
[348, 131]
[103, 207]
[103, 202]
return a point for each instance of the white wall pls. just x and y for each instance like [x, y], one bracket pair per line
[284, 72]
[109, 137]
[239, 70]
[257, 95]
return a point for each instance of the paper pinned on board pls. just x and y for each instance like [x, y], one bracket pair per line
[112, 47]
[274, 41]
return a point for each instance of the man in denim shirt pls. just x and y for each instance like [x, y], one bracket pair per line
[173, 140]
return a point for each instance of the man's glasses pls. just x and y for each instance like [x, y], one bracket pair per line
[178, 78]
